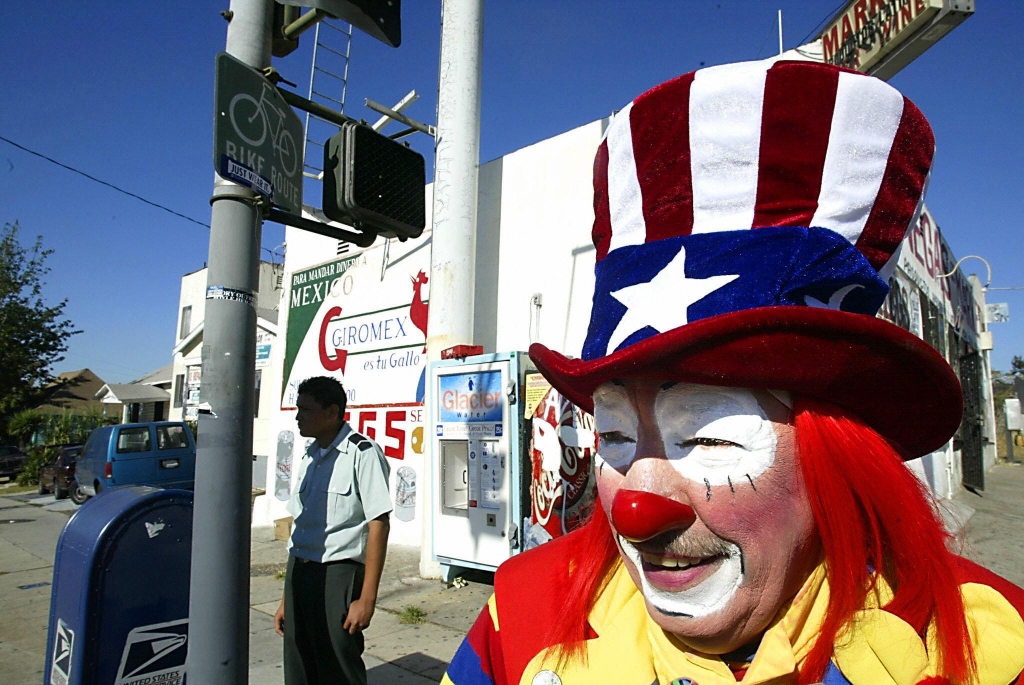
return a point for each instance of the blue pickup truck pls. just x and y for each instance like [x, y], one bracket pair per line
[161, 454]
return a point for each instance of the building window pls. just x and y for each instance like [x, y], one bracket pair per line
[186, 321]
[259, 380]
[179, 390]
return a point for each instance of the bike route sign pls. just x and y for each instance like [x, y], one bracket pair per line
[257, 137]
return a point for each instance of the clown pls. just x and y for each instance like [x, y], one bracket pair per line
[755, 520]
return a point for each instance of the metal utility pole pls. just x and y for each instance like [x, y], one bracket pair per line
[218, 649]
[456, 163]
[780, 32]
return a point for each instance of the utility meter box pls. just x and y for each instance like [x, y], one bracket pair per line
[477, 459]
[119, 608]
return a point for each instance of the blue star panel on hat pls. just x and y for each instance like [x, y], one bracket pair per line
[655, 287]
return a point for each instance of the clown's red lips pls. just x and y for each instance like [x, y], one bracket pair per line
[676, 561]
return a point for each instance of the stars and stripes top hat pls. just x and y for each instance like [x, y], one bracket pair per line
[747, 218]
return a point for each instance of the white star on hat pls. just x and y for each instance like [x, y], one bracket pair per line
[662, 302]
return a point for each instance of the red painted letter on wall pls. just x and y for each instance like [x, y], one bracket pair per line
[395, 432]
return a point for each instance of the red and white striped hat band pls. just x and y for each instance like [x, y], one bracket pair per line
[760, 144]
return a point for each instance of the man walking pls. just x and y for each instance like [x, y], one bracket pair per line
[337, 546]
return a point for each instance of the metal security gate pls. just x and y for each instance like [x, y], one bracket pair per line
[971, 426]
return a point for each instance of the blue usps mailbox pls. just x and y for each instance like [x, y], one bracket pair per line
[119, 611]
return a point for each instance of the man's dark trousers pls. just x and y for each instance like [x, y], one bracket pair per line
[317, 648]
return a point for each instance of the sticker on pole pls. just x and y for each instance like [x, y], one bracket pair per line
[220, 292]
[243, 175]
[63, 647]
[155, 655]
[257, 136]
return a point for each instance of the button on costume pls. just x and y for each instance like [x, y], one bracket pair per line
[341, 489]
[755, 522]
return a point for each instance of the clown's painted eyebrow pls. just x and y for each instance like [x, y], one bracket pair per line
[707, 442]
[616, 437]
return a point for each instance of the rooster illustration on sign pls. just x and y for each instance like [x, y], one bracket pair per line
[418, 308]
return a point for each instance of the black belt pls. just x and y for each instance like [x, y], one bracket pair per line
[302, 560]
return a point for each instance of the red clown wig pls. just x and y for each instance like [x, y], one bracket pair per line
[872, 514]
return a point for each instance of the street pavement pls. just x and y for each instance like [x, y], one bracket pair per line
[991, 525]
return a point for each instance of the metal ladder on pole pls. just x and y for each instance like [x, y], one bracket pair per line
[328, 86]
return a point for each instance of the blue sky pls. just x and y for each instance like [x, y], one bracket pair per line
[124, 91]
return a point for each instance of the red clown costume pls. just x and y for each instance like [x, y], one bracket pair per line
[755, 521]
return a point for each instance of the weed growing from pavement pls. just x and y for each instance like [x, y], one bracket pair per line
[412, 615]
[279, 575]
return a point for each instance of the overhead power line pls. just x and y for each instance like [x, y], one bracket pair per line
[102, 182]
[822, 22]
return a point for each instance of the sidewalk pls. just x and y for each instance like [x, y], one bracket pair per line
[417, 654]
[395, 652]
[995, 532]
[28, 539]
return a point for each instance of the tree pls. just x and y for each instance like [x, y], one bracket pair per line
[33, 335]
[1017, 366]
[51, 432]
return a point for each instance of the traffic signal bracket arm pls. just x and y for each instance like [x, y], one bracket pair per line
[401, 118]
[281, 217]
[299, 102]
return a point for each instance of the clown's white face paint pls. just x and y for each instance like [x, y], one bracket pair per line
[698, 601]
[711, 435]
[616, 422]
[721, 435]
[752, 544]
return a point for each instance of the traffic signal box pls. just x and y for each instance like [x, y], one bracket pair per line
[374, 183]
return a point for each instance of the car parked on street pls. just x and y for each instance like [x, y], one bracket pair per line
[12, 461]
[58, 476]
[159, 454]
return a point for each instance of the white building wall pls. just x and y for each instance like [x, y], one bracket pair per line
[193, 294]
[546, 216]
[535, 215]
[924, 259]
[988, 404]
[382, 280]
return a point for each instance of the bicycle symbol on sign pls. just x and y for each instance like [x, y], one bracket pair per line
[269, 117]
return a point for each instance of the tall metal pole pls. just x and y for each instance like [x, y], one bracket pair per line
[219, 599]
[456, 162]
[780, 32]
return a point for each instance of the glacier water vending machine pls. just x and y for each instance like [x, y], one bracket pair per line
[478, 477]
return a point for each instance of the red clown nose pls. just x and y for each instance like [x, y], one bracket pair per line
[640, 515]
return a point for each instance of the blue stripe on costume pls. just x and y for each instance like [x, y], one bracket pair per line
[833, 676]
[466, 668]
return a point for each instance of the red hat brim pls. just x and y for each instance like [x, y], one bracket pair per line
[889, 378]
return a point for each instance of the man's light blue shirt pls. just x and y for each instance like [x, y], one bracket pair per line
[339, 492]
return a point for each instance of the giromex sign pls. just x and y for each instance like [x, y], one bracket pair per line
[880, 37]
